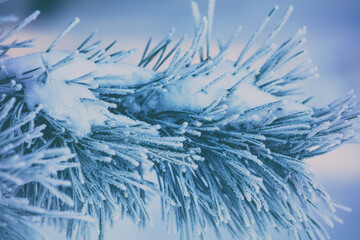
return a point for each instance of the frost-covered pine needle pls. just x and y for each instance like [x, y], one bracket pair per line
[226, 139]
[24, 164]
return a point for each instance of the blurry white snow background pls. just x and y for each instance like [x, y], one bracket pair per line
[333, 37]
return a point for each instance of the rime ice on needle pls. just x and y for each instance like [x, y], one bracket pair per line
[54, 81]
[20, 167]
[78, 108]
[195, 93]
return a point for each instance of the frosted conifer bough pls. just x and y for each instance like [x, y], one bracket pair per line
[25, 166]
[226, 139]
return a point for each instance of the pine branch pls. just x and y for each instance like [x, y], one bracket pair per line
[23, 163]
[227, 139]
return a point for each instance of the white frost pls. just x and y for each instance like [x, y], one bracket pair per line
[129, 74]
[74, 105]
[187, 94]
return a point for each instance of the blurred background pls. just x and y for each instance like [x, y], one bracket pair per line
[333, 39]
